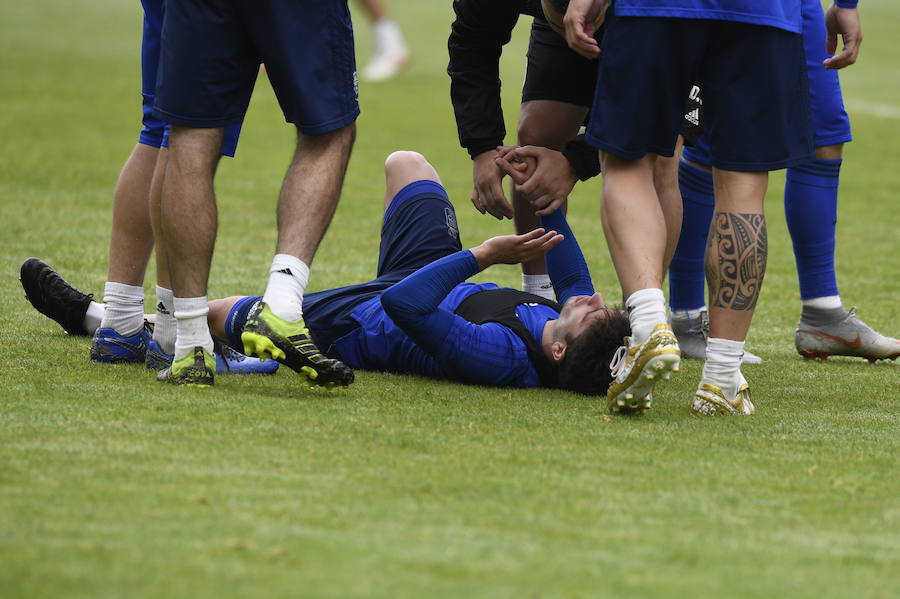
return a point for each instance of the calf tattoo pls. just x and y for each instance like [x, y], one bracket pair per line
[736, 259]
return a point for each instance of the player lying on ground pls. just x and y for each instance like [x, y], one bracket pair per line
[420, 316]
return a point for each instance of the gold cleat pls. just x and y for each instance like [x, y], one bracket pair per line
[710, 400]
[637, 368]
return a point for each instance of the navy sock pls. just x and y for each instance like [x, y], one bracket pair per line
[810, 207]
[686, 276]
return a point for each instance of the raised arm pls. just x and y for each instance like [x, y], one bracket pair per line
[414, 304]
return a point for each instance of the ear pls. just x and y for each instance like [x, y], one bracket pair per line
[558, 351]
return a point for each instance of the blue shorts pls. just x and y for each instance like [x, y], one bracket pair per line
[419, 227]
[212, 49]
[155, 132]
[831, 125]
[750, 74]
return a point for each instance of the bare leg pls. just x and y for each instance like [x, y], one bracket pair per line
[549, 124]
[665, 180]
[156, 187]
[736, 253]
[402, 168]
[311, 189]
[633, 222]
[131, 241]
[189, 218]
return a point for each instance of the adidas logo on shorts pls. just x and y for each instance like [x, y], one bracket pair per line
[693, 117]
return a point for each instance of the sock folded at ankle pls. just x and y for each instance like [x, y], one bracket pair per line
[193, 331]
[819, 317]
[288, 277]
[124, 308]
[723, 363]
[646, 309]
[539, 285]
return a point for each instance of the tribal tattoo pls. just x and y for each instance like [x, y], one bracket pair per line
[736, 259]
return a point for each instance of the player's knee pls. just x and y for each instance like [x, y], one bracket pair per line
[832, 152]
[409, 166]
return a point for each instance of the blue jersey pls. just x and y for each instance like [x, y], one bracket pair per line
[782, 14]
[412, 327]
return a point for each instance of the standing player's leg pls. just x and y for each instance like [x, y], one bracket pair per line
[556, 95]
[738, 93]
[390, 54]
[550, 124]
[810, 204]
[121, 336]
[298, 41]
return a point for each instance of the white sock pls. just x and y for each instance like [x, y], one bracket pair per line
[539, 285]
[124, 311]
[824, 303]
[388, 37]
[93, 317]
[190, 312]
[288, 277]
[723, 364]
[646, 309]
[688, 314]
[165, 328]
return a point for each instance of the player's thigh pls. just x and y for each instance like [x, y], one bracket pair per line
[557, 91]
[307, 47]
[208, 65]
[831, 124]
[756, 99]
[648, 67]
[419, 227]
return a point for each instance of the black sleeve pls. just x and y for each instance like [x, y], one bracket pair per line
[477, 37]
[584, 158]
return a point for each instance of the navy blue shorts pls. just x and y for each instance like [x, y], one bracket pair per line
[155, 132]
[754, 82]
[212, 49]
[419, 227]
[831, 125]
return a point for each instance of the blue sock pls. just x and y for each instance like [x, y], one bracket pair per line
[686, 276]
[810, 207]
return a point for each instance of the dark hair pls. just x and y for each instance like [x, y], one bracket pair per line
[585, 368]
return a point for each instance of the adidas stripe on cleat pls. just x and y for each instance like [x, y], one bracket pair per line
[637, 368]
[268, 336]
[228, 361]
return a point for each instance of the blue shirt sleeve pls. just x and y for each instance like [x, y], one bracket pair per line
[847, 3]
[565, 263]
[488, 354]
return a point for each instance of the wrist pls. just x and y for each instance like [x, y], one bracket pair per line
[481, 255]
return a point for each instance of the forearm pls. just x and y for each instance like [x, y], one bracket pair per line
[477, 37]
[413, 303]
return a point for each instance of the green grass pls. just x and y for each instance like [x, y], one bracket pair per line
[112, 485]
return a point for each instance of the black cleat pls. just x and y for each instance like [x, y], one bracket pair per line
[53, 296]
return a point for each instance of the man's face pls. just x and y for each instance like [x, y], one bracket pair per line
[578, 314]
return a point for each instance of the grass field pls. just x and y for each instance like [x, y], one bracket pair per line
[112, 485]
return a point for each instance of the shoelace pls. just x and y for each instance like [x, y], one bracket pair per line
[617, 364]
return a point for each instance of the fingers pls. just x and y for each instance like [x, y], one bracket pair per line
[476, 201]
[847, 57]
[513, 170]
[551, 207]
[831, 44]
[495, 203]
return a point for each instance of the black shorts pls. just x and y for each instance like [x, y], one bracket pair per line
[555, 72]
[755, 91]
[212, 49]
